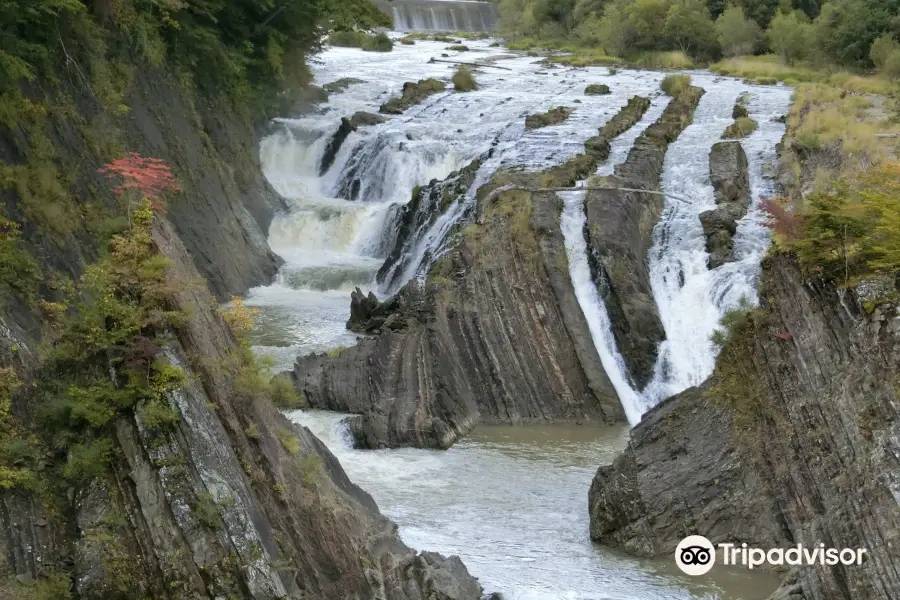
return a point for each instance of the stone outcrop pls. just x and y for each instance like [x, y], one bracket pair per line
[340, 85]
[619, 234]
[554, 116]
[731, 184]
[234, 501]
[496, 335]
[416, 217]
[794, 439]
[412, 94]
[346, 127]
[597, 89]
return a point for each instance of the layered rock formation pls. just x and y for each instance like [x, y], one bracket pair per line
[345, 128]
[495, 336]
[731, 184]
[619, 234]
[794, 439]
[412, 94]
[233, 501]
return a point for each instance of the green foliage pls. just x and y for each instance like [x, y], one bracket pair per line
[885, 55]
[737, 35]
[852, 229]
[372, 42]
[846, 29]
[464, 80]
[206, 511]
[288, 440]
[284, 394]
[674, 85]
[789, 36]
[690, 28]
[732, 323]
[555, 115]
[54, 587]
[742, 127]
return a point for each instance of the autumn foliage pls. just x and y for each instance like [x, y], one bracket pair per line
[784, 222]
[150, 177]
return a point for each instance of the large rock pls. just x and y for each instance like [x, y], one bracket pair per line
[794, 439]
[495, 336]
[731, 182]
[412, 94]
[619, 234]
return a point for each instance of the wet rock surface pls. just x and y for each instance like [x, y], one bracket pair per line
[553, 116]
[619, 235]
[731, 184]
[412, 94]
[794, 439]
[496, 335]
[596, 89]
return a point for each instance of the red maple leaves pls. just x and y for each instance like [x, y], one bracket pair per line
[149, 176]
[783, 221]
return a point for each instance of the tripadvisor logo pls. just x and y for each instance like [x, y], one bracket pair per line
[696, 555]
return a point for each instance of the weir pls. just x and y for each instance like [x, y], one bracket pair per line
[440, 15]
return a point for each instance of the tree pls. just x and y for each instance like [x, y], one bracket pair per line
[737, 34]
[760, 11]
[516, 18]
[615, 33]
[689, 26]
[846, 29]
[646, 18]
[789, 35]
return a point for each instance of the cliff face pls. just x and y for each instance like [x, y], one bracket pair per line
[234, 501]
[795, 439]
[495, 336]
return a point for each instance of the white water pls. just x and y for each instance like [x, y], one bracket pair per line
[690, 298]
[511, 502]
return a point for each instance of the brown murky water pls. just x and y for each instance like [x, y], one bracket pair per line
[512, 502]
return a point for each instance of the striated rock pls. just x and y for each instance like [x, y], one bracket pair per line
[412, 94]
[597, 89]
[739, 111]
[341, 84]
[233, 501]
[334, 144]
[416, 217]
[495, 336]
[365, 119]
[794, 439]
[553, 116]
[619, 234]
[728, 173]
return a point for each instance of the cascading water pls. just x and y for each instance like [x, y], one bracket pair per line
[440, 15]
[473, 499]
[690, 298]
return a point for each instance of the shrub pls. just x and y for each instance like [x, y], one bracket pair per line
[380, 42]
[464, 80]
[289, 441]
[458, 48]
[742, 127]
[674, 85]
[348, 39]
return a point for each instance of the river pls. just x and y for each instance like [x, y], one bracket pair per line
[512, 502]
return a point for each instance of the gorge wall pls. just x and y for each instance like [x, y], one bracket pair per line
[194, 487]
[794, 438]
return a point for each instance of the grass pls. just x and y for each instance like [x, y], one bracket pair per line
[662, 60]
[553, 116]
[742, 127]
[586, 57]
[673, 85]
[822, 116]
[370, 42]
[767, 69]
[464, 80]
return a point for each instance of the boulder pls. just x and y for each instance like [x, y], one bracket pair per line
[728, 173]
[597, 89]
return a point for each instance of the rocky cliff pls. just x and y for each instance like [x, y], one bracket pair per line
[619, 235]
[231, 500]
[495, 336]
[794, 439]
[731, 184]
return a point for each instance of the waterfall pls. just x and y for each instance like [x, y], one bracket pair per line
[690, 298]
[440, 15]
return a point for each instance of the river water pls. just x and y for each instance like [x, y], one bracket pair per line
[512, 502]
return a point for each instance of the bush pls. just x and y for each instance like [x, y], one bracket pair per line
[458, 48]
[674, 85]
[347, 39]
[742, 127]
[464, 80]
[380, 42]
